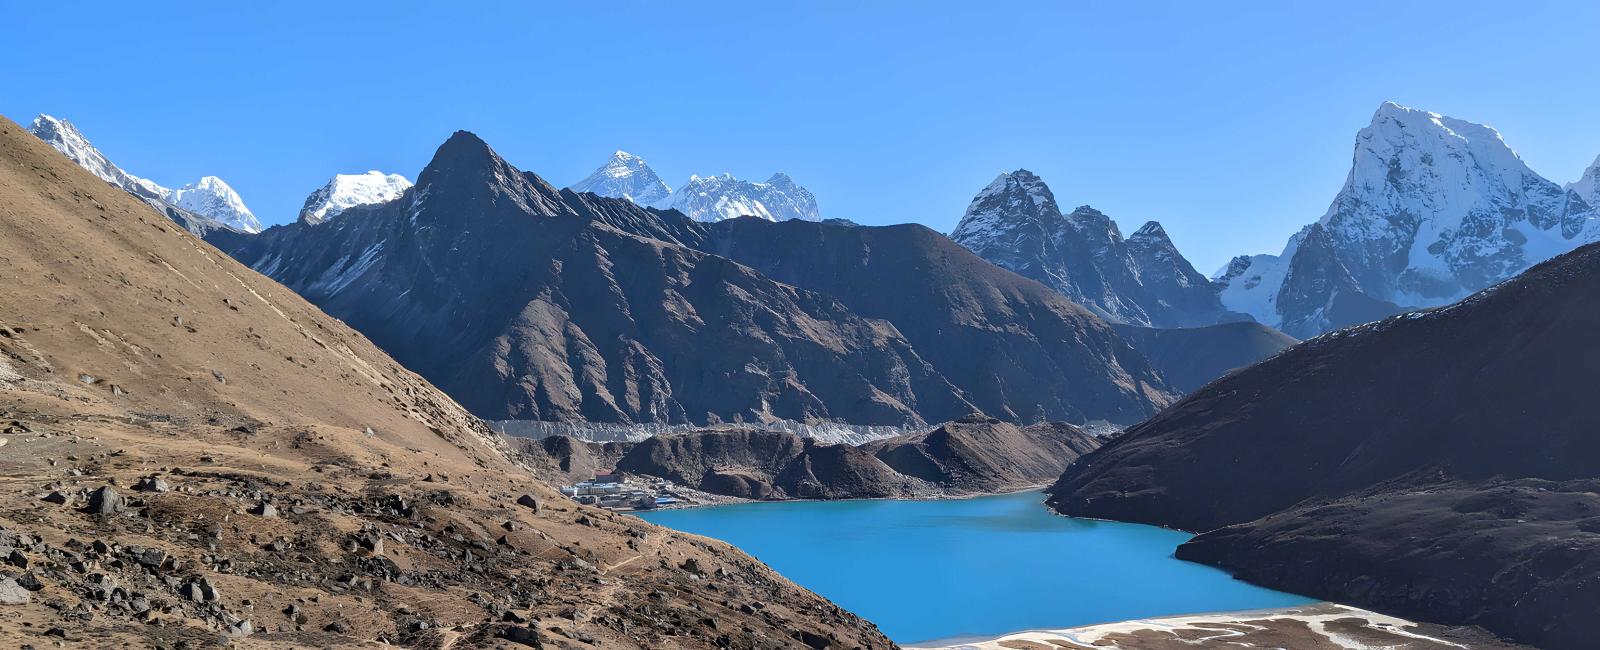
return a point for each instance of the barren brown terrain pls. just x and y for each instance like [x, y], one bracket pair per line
[191, 454]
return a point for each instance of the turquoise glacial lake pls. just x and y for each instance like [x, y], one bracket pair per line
[925, 570]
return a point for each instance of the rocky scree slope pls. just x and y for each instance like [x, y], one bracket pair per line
[193, 452]
[1439, 465]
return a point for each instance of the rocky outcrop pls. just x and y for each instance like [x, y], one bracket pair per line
[1438, 464]
[1143, 280]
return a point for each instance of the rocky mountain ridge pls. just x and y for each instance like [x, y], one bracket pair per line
[531, 303]
[1141, 280]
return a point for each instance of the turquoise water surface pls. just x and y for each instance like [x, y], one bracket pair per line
[927, 570]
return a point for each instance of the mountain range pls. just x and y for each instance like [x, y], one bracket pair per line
[528, 302]
[711, 198]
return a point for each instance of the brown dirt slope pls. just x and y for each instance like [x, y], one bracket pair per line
[281, 482]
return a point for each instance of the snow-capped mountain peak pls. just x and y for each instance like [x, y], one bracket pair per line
[1588, 186]
[1013, 199]
[209, 198]
[345, 191]
[212, 197]
[67, 139]
[626, 176]
[1434, 208]
[714, 198]
[703, 198]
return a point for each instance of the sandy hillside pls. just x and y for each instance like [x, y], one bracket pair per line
[278, 481]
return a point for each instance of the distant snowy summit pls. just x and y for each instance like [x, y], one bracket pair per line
[1588, 186]
[712, 198]
[1434, 209]
[626, 176]
[715, 198]
[210, 199]
[345, 191]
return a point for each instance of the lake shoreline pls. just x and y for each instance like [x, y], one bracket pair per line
[733, 501]
[1318, 626]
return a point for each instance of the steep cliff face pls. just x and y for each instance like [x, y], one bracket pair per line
[1438, 464]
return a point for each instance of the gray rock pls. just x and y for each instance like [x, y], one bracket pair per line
[106, 501]
[264, 509]
[152, 484]
[527, 500]
[12, 593]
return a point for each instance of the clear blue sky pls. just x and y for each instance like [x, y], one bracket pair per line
[1231, 123]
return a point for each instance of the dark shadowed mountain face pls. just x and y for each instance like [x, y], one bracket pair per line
[972, 455]
[526, 302]
[1143, 280]
[1441, 465]
[1190, 357]
[1017, 350]
[1319, 294]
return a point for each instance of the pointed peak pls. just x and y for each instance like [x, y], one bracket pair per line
[1087, 209]
[45, 120]
[780, 179]
[1153, 230]
[464, 152]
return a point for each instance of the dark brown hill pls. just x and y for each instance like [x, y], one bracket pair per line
[1440, 465]
[1190, 357]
